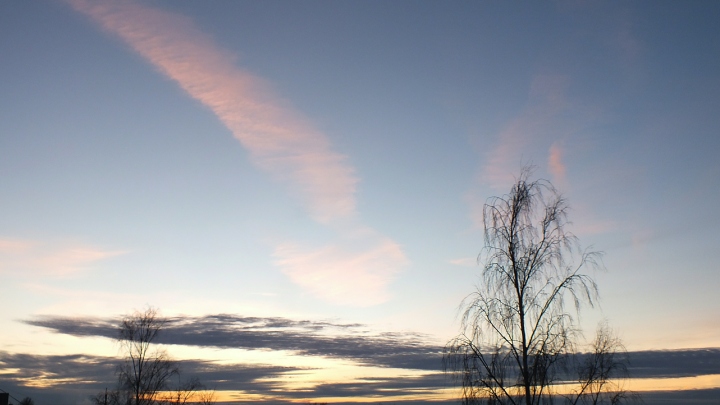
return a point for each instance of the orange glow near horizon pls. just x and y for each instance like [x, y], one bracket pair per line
[639, 385]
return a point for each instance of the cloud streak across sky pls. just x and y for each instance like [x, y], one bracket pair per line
[29, 257]
[536, 125]
[335, 272]
[417, 361]
[280, 140]
[307, 338]
[350, 341]
[73, 378]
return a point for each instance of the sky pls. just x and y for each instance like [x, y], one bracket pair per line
[298, 186]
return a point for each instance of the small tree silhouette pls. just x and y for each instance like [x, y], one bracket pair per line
[146, 371]
[144, 377]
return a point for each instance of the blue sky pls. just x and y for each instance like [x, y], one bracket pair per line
[329, 161]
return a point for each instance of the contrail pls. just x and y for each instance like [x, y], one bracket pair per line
[354, 271]
[280, 140]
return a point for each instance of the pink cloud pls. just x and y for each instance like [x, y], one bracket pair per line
[344, 274]
[518, 142]
[555, 164]
[280, 140]
[549, 118]
[31, 258]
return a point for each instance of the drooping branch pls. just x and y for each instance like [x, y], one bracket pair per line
[517, 324]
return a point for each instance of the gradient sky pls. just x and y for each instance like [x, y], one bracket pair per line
[328, 161]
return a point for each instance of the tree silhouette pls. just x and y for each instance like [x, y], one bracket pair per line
[144, 377]
[147, 370]
[516, 331]
[27, 401]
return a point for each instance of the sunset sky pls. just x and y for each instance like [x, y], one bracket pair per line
[306, 180]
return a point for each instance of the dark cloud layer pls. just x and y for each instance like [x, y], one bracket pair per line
[386, 387]
[81, 371]
[687, 397]
[674, 363]
[73, 378]
[72, 371]
[348, 341]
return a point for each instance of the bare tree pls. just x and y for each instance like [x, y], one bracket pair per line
[206, 397]
[602, 372]
[144, 377]
[187, 391]
[516, 329]
[112, 397]
[147, 370]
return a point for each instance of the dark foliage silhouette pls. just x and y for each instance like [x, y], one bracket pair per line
[27, 401]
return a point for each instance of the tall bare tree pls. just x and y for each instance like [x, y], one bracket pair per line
[147, 370]
[516, 329]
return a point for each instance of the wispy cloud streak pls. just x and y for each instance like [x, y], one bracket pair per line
[343, 274]
[308, 338]
[555, 163]
[34, 258]
[280, 140]
[519, 140]
[352, 341]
